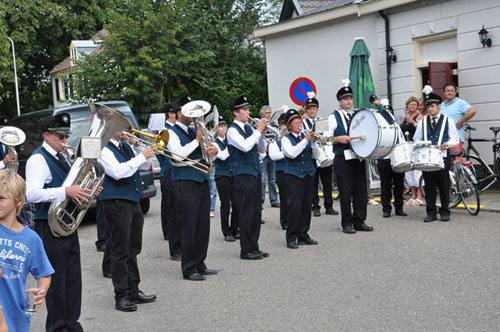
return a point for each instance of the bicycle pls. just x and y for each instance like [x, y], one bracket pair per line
[463, 185]
[485, 175]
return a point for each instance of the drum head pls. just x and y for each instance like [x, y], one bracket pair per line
[365, 123]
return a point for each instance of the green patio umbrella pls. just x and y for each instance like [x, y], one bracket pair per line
[360, 75]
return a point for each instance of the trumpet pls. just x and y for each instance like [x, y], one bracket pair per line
[160, 142]
[320, 139]
[273, 130]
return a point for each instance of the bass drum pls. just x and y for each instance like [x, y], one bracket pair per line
[380, 136]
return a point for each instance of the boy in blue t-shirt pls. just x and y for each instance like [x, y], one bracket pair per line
[21, 252]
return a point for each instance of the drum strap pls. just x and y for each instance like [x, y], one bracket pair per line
[342, 116]
[443, 120]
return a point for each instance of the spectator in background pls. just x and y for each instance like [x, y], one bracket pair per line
[268, 165]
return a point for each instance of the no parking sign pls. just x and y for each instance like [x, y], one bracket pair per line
[299, 89]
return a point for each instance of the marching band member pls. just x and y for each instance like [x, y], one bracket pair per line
[166, 177]
[325, 173]
[390, 181]
[120, 203]
[244, 146]
[299, 172]
[440, 130]
[46, 170]
[276, 154]
[225, 188]
[268, 165]
[6, 157]
[192, 197]
[350, 173]
[174, 222]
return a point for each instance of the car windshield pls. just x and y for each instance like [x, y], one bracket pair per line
[79, 129]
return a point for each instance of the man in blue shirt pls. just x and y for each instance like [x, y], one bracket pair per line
[457, 109]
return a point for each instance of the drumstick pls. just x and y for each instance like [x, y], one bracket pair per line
[363, 137]
[407, 134]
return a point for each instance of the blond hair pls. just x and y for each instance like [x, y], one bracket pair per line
[409, 100]
[12, 185]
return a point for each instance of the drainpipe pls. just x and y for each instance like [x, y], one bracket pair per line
[388, 55]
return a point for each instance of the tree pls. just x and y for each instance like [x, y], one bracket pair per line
[158, 50]
[42, 32]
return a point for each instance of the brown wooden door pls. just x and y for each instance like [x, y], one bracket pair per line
[439, 74]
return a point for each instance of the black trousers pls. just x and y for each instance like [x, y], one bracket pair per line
[299, 197]
[64, 297]
[438, 180]
[226, 192]
[193, 202]
[281, 182]
[165, 190]
[325, 174]
[249, 197]
[126, 222]
[102, 226]
[173, 218]
[351, 181]
[390, 182]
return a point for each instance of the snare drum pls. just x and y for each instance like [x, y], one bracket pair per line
[402, 157]
[428, 158]
[380, 135]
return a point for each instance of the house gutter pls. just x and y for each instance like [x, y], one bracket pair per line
[388, 52]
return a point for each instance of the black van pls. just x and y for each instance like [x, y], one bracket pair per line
[81, 119]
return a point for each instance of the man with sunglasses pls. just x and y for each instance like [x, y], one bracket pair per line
[46, 170]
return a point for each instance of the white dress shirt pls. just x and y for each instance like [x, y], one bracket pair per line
[118, 170]
[332, 122]
[452, 131]
[222, 154]
[37, 175]
[243, 144]
[275, 153]
[174, 143]
[292, 151]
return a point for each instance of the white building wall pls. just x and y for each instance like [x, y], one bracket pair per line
[320, 54]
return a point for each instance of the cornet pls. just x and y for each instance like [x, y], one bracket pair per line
[273, 130]
[11, 137]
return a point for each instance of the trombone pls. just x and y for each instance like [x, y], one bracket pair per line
[161, 140]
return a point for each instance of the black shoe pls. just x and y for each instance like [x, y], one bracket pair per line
[430, 218]
[262, 222]
[262, 253]
[283, 227]
[316, 213]
[277, 204]
[106, 274]
[292, 245]
[250, 256]
[387, 214]
[401, 213]
[445, 217]
[143, 298]
[308, 242]
[208, 272]
[363, 228]
[229, 238]
[176, 257]
[124, 304]
[331, 212]
[349, 230]
[237, 236]
[195, 277]
[101, 248]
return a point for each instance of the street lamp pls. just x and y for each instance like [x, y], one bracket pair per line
[15, 76]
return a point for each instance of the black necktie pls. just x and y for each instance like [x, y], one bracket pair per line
[191, 133]
[62, 162]
[124, 151]
[248, 130]
[309, 123]
[349, 116]
[434, 120]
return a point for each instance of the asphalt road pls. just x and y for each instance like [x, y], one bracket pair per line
[404, 276]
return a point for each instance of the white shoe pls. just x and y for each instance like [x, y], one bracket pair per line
[212, 214]
[371, 201]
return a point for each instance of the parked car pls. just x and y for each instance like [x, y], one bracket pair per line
[81, 119]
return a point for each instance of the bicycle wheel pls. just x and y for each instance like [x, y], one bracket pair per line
[454, 189]
[469, 195]
[480, 172]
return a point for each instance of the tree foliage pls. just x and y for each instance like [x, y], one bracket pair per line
[159, 50]
[42, 31]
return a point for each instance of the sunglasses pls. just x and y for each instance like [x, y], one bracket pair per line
[61, 136]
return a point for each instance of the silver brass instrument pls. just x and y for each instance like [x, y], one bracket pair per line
[11, 137]
[273, 130]
[196, 109]
[65, 217]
